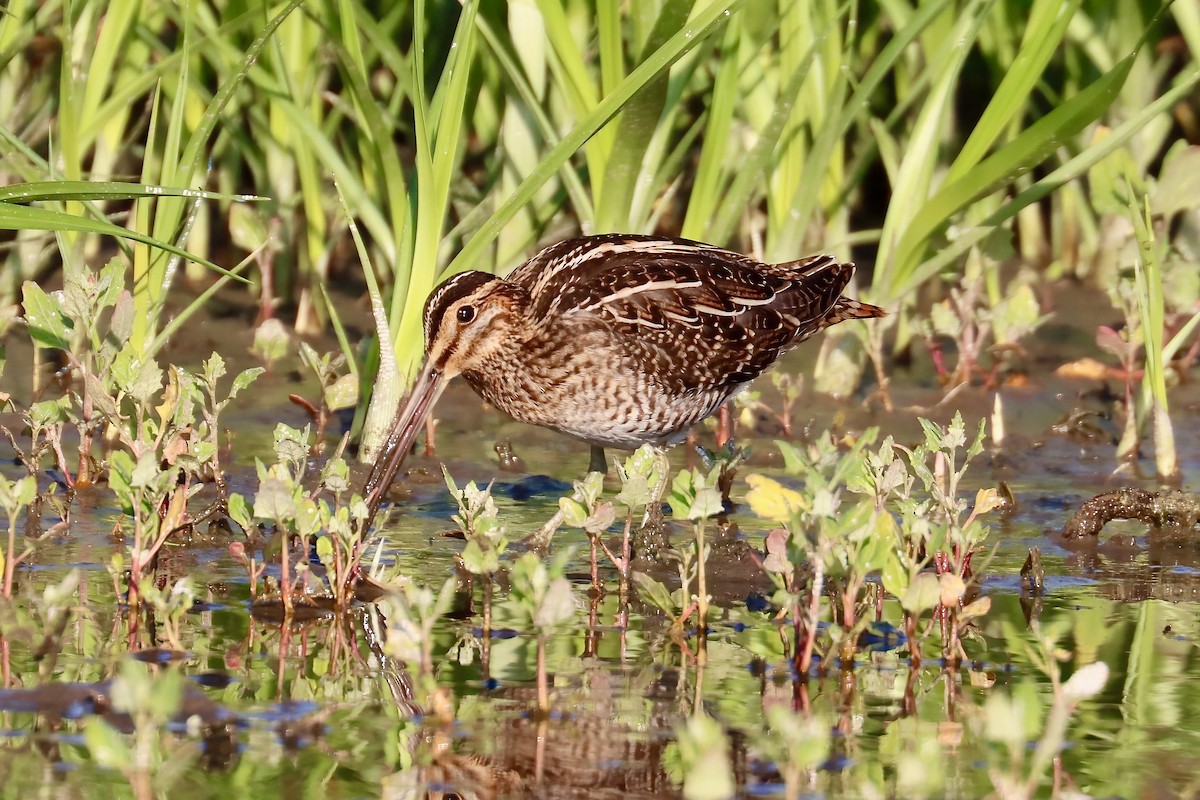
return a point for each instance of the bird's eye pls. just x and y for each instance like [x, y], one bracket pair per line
[466, 314]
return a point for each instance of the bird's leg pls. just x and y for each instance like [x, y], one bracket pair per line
[597, 462]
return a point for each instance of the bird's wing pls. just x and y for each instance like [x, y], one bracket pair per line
[707, 314]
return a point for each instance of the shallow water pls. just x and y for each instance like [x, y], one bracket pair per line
[318, 710]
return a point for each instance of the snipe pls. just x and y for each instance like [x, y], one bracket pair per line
[617, 340]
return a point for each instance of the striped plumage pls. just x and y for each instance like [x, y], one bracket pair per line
[618, 340]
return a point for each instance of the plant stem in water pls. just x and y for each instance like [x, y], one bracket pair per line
[701, 596]
[543, 690]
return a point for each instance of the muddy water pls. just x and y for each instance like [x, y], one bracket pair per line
[317, 710]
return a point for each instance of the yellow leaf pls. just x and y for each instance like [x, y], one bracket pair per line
[987, 500]
[771, 500]
[170, 395]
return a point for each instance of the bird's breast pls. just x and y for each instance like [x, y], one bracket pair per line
[586, 386]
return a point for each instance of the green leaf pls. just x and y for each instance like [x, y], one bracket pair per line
[48, 326]
[47, 413]
[147, 471]
[239, 511]
[243, 380]
[478, 561]
[923, 593]
[214, 370]
[574, 514]
[894, 574]
[638, 121]
[147, 382]
[246, 227]
[22, 218]
[342, 393]
[120, 325]
[106, 745]
[325, 550]
[274, 501]
[1030, 148]
[692, 498]
[654, 593]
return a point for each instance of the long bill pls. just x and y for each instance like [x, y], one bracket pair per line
[407, 422]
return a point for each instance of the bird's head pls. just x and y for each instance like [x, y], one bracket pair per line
[468, 319]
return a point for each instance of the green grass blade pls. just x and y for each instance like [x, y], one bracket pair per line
[836, 124]
[569, 67]
[1030, 148]
[682, 42]
[637, 124]
[104, 190]
[1074, 168]
[749, 177]
[1047, 25]
[710, 172]
[581, 201]
[437, 155]
[195, 152]
[17, 218]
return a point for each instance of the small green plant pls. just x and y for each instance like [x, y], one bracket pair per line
[209, 453]
[338, 391]
[696, 496]
[16, 497]
[1012, 720]
[342, 546]
[298, 513]
[151, 697]
[933, 530]
[169, 608]
[412, 611]
[828, 544]
[478, 520]
[546, 598]
[979, 319]
[585, 510]
[698, 761]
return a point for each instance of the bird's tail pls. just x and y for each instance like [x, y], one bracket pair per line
[845, 309]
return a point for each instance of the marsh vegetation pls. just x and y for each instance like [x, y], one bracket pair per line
[220, 221]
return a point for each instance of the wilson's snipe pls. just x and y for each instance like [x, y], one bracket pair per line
[617, 340]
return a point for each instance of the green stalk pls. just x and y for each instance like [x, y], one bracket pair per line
[635, 128]
[1149, 282]
[682, 42]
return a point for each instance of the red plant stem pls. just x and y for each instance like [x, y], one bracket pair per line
[543, 689]
[626, 556]
[285, 572]
[592, 539]
[910, 630]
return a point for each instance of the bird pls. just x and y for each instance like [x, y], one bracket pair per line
[617, 340]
